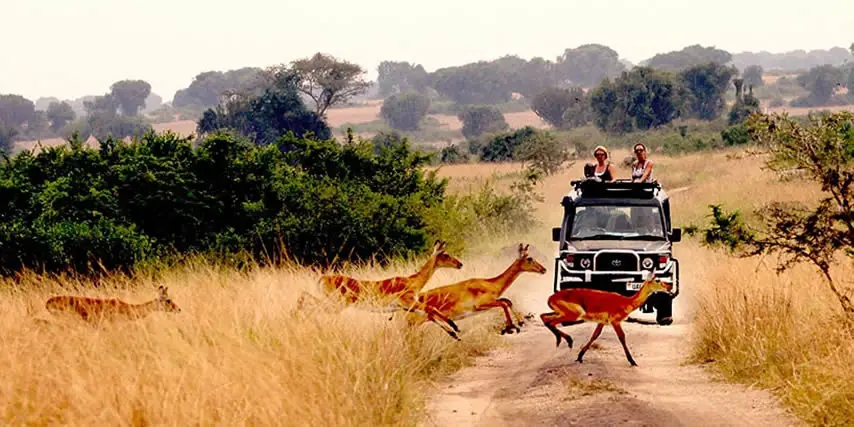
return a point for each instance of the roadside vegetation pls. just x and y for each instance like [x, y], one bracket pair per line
[780, 315]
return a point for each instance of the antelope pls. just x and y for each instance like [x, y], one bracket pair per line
[395, 292]
[574, 306]
[92, 308]
[468, 297]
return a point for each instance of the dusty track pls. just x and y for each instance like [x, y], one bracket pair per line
[530, 382]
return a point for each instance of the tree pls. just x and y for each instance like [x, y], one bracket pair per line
[642, 98]
[821, 82]
[479, 120]
[535, 76]
[589, 64]
[59, 114]
[752, 76]
[552, 104]
[398, 77]
[130, 95]
[707, 84]
[478, 83]
[7, 138]
[745, 105]
[689, 56]
[208, 87]
[405, 111]
[329, 81]
[104, 104]
[544, 153]
[15, 110]
[820, 153]
[267, 117]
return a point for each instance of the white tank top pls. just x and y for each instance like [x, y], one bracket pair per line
[637, 171]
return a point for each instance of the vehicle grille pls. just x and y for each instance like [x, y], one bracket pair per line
[616, 261]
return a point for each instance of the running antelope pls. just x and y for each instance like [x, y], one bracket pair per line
[90, 309]
[395, 292]
[577, 305]
[463, 299]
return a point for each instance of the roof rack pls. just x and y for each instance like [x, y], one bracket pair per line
[621, 188]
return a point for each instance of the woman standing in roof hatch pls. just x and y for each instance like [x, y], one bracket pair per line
[642, 167]
[603, 171]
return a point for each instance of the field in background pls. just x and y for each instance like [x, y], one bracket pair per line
[369, 113]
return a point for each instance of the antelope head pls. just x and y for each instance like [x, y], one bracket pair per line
[527, 262]
[164, 302]
[656, 285]
[443, 259]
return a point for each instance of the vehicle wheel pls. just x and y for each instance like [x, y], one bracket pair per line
[663, 309]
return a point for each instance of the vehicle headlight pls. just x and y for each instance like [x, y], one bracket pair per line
[585, 262]
[646, 263]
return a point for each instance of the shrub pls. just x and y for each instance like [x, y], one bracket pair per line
[452, 154]
[503, 147]
[405, 111]
[481, 120]
[735, 135]
[77, 207]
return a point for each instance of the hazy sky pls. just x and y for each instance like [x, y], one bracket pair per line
[71, 48]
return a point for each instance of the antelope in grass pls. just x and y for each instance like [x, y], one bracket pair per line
[578, 305]
[395, 292]
[463, 299]
[90, 309]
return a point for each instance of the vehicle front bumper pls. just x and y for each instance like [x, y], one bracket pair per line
[613, 281]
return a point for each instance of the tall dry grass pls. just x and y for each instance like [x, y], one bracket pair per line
[784, 333]
[235, 355]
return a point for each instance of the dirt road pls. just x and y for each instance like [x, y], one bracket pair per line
[532, 383]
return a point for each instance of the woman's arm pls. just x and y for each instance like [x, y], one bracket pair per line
[647, 171]
[613, 171]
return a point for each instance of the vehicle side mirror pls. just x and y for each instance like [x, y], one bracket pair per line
[556, 234]
[676, 235]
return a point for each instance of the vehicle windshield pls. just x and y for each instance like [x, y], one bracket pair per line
[617, 222]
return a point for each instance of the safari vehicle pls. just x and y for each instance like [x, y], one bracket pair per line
[613, 234]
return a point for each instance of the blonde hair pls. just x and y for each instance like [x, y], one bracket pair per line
[601, 148]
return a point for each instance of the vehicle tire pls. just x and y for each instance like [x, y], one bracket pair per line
[663, 309]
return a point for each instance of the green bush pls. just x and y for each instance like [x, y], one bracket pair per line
[80, 208]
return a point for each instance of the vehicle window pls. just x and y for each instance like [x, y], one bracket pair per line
[617, 221]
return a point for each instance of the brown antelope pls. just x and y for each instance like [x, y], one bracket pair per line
[394, 292]
[463, 299]
[578, 305]
[90, 309]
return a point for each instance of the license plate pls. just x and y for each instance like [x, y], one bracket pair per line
[633, 286]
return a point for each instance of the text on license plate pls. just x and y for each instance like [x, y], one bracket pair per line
[633, 286]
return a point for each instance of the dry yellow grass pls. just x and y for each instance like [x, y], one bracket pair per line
[235, 355]
[784, 333]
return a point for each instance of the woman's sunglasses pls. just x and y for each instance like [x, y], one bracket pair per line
[639, 150]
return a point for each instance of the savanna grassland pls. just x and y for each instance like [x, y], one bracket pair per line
[238, 354]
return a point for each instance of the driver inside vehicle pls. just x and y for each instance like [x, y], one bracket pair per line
[619, 223]
[646, 222]
[590, 220]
